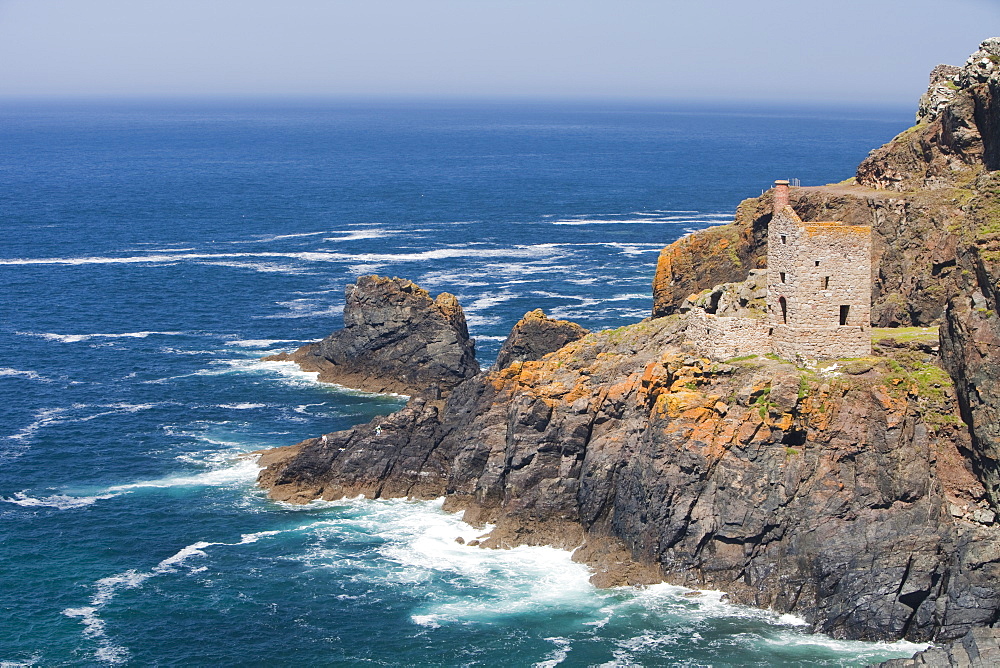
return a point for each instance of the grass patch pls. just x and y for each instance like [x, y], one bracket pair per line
[906, 334]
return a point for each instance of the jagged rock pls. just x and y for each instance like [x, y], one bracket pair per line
[536, 335]
[745, 299]
[395, 339]
[970, 350]
[979, 648]
[940, 93]
[957, 131]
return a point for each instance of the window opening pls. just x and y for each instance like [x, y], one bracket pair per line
[844, 311]
[782, 274]
[784, 239]
[817, 263]
[784, 310]
[826, 282]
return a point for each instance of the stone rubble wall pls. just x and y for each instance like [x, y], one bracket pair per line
[821, 342]
[722, 337]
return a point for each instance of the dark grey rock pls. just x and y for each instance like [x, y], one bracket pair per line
[395, 339]
[979, 648]
[536, 335]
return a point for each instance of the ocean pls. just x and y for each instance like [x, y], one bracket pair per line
[152, 252]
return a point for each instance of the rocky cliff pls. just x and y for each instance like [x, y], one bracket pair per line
[396, 338]
[840, 494]
[861, 495]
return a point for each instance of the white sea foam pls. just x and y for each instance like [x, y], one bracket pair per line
[474, 321]
[308, 308]
[278, 237]
[241, 406]
[76, 338]
[18, 373]
[360, 235]
[287, 373]
[260, 344]
[854, 647]
[558, 655]
[106, 589]
[309, 256]
[43, 418]
[239, 472]
[488, 301]
[59, 501]
[262, 267]
[705, 219]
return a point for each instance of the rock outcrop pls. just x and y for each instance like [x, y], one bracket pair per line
[722, 254]
[970, 348]
[746, 299]
[395, 339]
[536, 335]
[957, 133]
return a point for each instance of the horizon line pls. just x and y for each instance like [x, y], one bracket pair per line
[754, 102]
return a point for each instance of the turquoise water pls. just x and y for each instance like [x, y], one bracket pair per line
[151, 254]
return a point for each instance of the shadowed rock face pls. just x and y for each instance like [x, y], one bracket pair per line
[395, 339]
[970, 349]
[536, 335]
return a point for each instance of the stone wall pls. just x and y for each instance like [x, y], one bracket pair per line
[821, 342]
[722, 337]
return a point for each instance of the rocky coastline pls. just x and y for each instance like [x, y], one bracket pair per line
[860, 494]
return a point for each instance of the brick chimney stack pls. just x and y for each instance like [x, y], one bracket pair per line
[780, 195]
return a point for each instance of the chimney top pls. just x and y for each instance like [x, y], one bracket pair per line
[780, 195]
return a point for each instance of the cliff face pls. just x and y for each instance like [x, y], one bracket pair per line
[840, 496]
[723, 254]
[970, 348]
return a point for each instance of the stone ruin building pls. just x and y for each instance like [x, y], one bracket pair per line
[813, 301]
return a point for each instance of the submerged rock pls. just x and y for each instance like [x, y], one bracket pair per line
[395, 339]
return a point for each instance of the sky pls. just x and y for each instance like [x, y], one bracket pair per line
[876, 52]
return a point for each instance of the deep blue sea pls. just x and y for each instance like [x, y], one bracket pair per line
[151, 253]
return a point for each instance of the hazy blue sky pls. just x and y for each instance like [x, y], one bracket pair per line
[848, 50]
